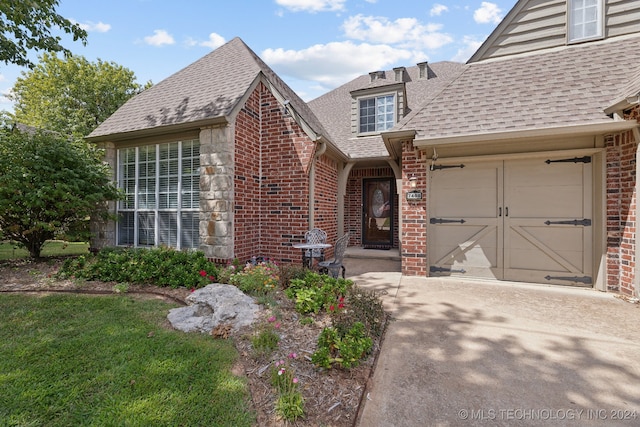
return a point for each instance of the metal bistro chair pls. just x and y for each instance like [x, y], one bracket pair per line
[335, 265]
[315, 235]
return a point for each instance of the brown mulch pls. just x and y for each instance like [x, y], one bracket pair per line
[332, 397]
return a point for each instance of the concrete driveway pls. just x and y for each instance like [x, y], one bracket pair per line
[463, 353]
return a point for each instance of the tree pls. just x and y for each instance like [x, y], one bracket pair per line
[71, 96]
[47, 184]
[26, 25]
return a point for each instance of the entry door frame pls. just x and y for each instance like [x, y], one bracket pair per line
[388, 190]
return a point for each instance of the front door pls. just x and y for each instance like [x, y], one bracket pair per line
[378, 213]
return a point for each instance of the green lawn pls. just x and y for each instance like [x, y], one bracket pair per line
[9, 250]
[74, 360]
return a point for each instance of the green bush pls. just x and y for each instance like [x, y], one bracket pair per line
[163, 267]
[316, 291]
[259, 279]
[364, 306]
[346, 349]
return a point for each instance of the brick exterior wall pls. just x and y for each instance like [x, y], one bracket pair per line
[621, 210]
[413, 249]
[354, 201]
[273, 157]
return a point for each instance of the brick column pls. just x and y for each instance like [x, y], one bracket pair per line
[413, 245]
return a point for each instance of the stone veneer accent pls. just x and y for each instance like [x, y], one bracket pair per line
[103, 233]
[216, 192]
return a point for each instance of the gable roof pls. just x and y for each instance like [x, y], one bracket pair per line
[205, 92]
[334, 108]
[568, 88]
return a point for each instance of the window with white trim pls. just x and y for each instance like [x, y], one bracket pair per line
[585, 19]
[162, 195]
[376, 114]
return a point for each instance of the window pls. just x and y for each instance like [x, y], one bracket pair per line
[585, 19]
[161, 186]
[377, 114]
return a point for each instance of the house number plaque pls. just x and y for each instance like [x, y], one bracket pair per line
[414, 195]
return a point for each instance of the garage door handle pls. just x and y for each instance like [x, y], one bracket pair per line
[506, 211]
[500, 211]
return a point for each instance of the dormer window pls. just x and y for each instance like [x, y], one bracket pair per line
[377, 113]
[585, 20]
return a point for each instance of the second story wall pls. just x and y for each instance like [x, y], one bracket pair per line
[540, 24]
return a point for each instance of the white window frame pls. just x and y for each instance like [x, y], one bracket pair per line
[572, 37]
[376, 97]
[154, 209]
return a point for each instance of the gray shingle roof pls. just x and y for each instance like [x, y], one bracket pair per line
[207, 89]
[334, 108]
[562, 87]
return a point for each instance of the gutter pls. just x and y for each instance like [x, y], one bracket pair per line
[597, 128]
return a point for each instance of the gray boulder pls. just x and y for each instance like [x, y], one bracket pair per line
[214, 305]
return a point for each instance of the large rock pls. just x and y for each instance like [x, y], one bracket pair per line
[214, 305]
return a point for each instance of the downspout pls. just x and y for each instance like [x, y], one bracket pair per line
[343, 177]
[322, 147]
[636, 273]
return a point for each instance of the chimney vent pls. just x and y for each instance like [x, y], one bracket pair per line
[376, 75]
[424, 69]
[399, 72]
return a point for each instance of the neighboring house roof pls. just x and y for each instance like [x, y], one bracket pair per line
[207, 91]
[570, 87]
[334, 108]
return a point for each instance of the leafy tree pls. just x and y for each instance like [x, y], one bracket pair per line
[71, 96]
[26, 25]
[47, 184]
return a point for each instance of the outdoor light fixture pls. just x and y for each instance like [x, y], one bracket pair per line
[414, 194]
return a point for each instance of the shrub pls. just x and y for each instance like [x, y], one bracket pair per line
[344, 349]
[364, 306]
[259, 279]
[265, 340]
[155, 266]
[316, 291]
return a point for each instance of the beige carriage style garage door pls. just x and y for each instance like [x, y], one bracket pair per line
[523, 220]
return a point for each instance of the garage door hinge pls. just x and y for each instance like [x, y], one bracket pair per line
[446, 221]
[434, 269]
[585, 159]
[584, 222]
[585, 279]
[440, 167]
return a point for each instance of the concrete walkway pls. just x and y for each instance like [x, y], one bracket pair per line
[465, 353]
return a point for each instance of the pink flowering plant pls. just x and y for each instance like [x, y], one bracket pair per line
[290, 403]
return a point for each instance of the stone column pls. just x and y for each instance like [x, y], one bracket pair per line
[216, 192]
[103, 232]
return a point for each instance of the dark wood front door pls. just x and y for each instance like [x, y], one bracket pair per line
[378, 213]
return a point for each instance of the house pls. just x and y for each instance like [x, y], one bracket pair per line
[528, 159]
[519, 165]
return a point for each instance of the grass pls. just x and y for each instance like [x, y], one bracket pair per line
[10, 250]
[97, 361]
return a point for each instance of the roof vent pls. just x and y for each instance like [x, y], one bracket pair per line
[399, 73]
[376, 75]
[424, 69]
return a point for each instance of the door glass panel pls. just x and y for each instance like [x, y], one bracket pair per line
[378, 213]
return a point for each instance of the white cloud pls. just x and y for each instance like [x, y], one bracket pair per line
[312, 6]
[470, 45]
[405, 32]
[488, 13]
[97, 27]
[333, 64]
[214, 42]
[437, 9]
[159, 38]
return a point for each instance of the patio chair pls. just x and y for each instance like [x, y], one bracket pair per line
[315, 235]
[334, 266]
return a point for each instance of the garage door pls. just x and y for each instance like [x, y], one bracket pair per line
[523, 220]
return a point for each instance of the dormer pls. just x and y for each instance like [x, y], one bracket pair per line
[533, 25]
[377, 106]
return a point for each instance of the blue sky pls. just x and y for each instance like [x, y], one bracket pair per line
[314, 45]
